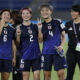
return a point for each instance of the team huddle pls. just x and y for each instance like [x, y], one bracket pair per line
[24, 36]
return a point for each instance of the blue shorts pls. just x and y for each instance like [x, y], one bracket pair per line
[5, 65]
[54, 59]
[25, 65]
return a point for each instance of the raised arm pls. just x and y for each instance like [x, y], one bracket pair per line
[40, 35]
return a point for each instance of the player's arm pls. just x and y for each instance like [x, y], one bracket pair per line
[63, 36]
[14, 53]
[40, 35]
[18, 40]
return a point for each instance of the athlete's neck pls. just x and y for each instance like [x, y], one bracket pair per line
[27, 23]
[6, 24]
[48, 19]
[77, 20]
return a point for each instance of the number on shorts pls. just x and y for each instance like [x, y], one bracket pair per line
[22, 61]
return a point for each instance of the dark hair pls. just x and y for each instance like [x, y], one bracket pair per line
[18, 20]
[14, 14]
[16, 17]
[8, 10]
[26, 8]
[76, 8]
[46, 6]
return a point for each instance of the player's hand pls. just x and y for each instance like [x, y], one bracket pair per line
[14, 62]
[60, 48]
[18, 31]
[2, 23]
[39, 24]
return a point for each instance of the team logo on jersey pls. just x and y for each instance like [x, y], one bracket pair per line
[5, 31]
[30, 31]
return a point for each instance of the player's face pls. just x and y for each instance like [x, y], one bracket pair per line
[74, 14]
[5, 16]
[46, 12]
[26, 15]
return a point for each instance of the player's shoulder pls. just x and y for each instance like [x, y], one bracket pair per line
[69, 23]
[60, 22]
[57, 20]
[11, 27]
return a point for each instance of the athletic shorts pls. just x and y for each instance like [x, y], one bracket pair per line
[56, 60]
[26, 65]
[6, 65]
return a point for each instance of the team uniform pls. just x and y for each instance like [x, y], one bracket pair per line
[30, 51]
[52, 38]
[6, 37]
[72, 55]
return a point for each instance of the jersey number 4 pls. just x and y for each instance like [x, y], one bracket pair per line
[51, 33]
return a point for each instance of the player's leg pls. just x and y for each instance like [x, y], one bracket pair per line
[71, 62]
[36, 75]
[59, 66]
[25, 68]
[26, 75]
[60, 74]
[5, 75]
[36, 67]
[47, 75]
[47, 66]
[7, 68]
